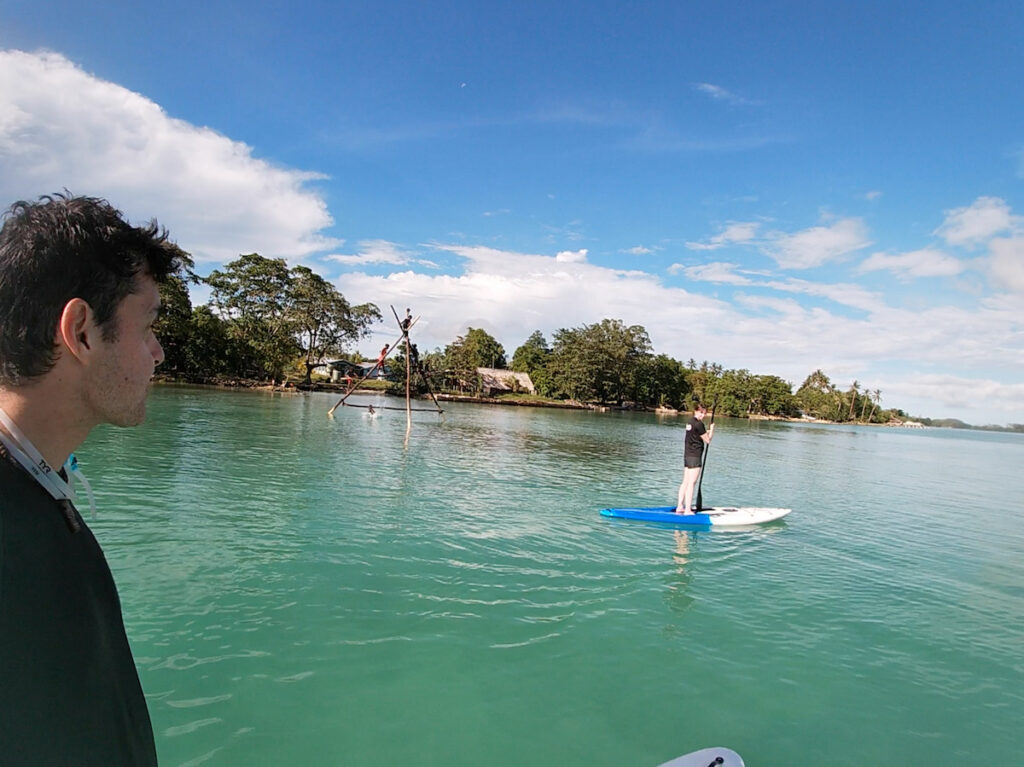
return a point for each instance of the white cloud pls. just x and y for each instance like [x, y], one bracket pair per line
[978, 222]
[873, 195]
[719, 93]
[713, 272]
[639, 250]
[845, 294]
[960, 394]
[818, 245]
[1006, 263]
[62, 127]
[572, 256]
[736, 233]
[926, 262]
[513, 294]
[373, 252]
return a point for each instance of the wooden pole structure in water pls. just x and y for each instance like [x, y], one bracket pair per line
[408, 383]
[355, 385]
[404, 326]
[408, 356]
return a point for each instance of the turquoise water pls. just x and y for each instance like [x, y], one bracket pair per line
[305, 590]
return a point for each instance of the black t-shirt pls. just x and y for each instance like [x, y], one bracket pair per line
[694, 445]
[69, 690]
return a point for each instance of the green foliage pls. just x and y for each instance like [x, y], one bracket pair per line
[211, 351]
[172, 326]
[274, 316]
[477, 349]
[433, 362]
[773, 396]
[419, 381]
[324, 320]
[532, 355]
[482, 350]
[816, 396]
[251, 295]
[702, 381]
[948, 423]
[599, 362]
[543, 383]
[819, 398]
[661, 381]
[740, 393]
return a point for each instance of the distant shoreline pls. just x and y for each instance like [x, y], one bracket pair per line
[512, 401]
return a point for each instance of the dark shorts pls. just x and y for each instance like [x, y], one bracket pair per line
[691, 461]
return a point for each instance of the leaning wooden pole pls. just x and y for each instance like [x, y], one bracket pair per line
[426, 382]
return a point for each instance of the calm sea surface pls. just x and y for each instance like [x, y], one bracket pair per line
[301, 590]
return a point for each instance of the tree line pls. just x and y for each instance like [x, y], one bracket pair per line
[264, 322]
[267, 322]
[611, 363]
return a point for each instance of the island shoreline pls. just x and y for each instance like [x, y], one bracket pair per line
[324, 386]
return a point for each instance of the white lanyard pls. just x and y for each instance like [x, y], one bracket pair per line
[25, 453]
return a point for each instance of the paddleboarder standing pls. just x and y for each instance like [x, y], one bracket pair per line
[697, 435]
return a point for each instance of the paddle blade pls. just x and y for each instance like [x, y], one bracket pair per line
[707, 757]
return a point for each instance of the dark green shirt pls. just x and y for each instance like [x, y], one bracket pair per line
[69, 691]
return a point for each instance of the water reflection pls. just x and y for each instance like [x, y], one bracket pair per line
[677, 592]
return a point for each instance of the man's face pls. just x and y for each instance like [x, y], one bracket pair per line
[120, 380]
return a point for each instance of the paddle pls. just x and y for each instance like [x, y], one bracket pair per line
[704, 461]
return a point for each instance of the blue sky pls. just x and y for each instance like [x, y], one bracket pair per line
[773, 186]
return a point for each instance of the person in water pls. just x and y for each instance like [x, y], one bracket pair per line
[78, 299]
[371, 411]
[697, 435]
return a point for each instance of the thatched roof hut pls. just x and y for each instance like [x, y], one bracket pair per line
[496, 381]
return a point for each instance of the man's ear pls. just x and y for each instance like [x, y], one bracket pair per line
[77, 330]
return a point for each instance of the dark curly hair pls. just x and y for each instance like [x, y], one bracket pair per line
[65, 247]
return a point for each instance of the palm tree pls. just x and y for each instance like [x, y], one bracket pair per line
[876, 397]
[854, 389]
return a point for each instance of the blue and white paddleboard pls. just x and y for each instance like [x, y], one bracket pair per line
[707, 757]
[723, 516]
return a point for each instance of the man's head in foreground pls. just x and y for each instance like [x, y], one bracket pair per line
[78, 298]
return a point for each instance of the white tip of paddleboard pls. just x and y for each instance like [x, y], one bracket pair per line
[707, 757]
